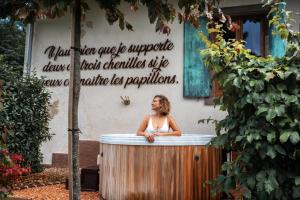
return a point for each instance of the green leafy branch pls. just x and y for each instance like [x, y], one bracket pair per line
[161, 12]
[262, 98]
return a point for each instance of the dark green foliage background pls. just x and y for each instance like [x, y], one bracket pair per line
[24, 115]
[12, 43]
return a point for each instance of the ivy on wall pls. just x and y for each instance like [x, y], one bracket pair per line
[262, 99]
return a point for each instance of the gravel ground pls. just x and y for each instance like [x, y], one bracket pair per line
[52, 192]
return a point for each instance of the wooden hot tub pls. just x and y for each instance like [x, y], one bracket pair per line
[170, 168]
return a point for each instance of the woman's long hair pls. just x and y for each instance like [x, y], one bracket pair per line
[165, 104]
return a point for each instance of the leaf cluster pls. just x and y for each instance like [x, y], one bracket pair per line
[262, 99]
[160, 12]
[23, 115]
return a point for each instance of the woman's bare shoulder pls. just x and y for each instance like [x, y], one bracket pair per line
[147, 117]
[170, 117]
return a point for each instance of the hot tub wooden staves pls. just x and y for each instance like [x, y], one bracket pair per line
[161, 171]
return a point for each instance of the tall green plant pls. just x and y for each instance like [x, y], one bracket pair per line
[24, 115]
[262, 99]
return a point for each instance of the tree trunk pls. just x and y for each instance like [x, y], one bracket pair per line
[74, 91]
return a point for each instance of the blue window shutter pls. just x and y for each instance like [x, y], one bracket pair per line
[196, 78]
[276, 44]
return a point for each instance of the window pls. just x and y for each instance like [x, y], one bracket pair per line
[253, 30]
[253, 24]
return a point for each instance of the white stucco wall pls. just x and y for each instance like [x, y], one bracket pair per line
[294, 6]
[101, 110]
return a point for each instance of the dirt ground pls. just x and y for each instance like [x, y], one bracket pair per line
[47, 185]
[51, 192]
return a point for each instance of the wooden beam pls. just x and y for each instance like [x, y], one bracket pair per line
[245, 10]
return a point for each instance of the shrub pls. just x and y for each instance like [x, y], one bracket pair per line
[262, 99]
[24, 116]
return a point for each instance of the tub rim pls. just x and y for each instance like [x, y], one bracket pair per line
[133, 139]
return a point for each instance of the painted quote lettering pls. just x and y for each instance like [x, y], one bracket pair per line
[132, 57]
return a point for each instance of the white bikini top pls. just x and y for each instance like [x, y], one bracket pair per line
[163, 129]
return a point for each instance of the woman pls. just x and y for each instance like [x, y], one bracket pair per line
[160, 123]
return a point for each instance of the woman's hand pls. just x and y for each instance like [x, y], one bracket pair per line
[149, 137]
[158, 134]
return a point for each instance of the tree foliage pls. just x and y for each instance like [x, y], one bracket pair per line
[23, 115]
[12, 43]
[160, 12]
[262, 99]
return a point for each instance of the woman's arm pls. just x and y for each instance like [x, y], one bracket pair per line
[175, 129]
[142, 128]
